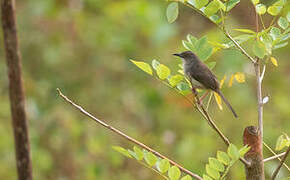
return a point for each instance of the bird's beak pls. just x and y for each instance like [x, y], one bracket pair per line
[176, 55]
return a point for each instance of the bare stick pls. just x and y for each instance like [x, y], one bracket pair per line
[16, 91]
[259, 98]
[274, 157]
[126, 136]
[281, 163]
[273, 152]
[263, 73]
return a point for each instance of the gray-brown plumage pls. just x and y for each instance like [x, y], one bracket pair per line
[200, 75]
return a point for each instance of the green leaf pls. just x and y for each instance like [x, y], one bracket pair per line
[222, 6]
[139, 153]
[240, 39]
[233, 152]
[143, 66]
[281, 143]
[288, 16]
[155, 64]
[244, 150]
[216, 164]
[150, 158]
[259, 49]
[201, 43]
[255, 2]
[280, 45]
[223, 157]
[275, 33]
[212, 172]
[215, 18]
[211, 65]
[231, 4]
[174, 80]
[283, 23]
[261, 9]
[163, 165]
[285, 37]
[182, 86]
[198, 3]
[206, 177]
[205, 53]
[274, 10]
[162, 71]
[122, 151]
[187, 177]
[191, 39]
[172, 12]
[188, 46]
[212, 8]
[245, 31]
[174, 173]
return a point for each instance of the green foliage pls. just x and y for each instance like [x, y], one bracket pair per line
[282, 142]
[261, 9]
[283, 23]
[152, 162]
[245, 31]
[162, 71]
[174, 173]
[198, 3]
[172, 12]
[212, 8]
[259, 49]
[143, 66]
[276, 8]
[200, 47]
[217, 168]
[231, 4]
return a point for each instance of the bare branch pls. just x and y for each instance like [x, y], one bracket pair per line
[263, 73]
[274, 157]
[270, 149]
[281, 163]
[16, 91]
[259, 98]
[126, 136]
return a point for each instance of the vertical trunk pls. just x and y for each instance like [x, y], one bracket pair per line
[252, 138]
[16, 92]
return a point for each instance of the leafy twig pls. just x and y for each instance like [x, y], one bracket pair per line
[281, 163]
[125, 136]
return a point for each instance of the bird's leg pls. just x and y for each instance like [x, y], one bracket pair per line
[204, 96]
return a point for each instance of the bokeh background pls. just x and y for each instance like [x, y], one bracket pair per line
[84, 46]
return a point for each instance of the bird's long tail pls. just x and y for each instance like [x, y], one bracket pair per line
[227, 103]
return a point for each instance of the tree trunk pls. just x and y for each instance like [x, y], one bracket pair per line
[16, 92]
[252, 138]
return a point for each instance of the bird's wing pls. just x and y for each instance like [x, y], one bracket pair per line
[204, 75]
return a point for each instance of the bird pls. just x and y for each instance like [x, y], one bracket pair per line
[200, 76]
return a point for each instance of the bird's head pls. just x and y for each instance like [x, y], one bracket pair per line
[186, 56]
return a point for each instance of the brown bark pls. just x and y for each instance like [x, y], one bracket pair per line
[252, 138]
[16, 92]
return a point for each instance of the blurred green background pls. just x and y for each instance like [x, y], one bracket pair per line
[84, 46]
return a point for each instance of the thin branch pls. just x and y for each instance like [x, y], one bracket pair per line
[239, 46]
[263, 73]
[274, 157]
[270, 149]
[214, 126]
[126, 136]
[281, 163]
